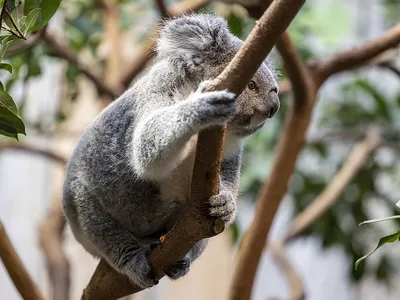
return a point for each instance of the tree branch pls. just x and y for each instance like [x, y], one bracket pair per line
[50, 238]
[291, 142]
[196, 224]
[354, 58]
[295, 283]
[27, 44]
[34, 150]
[61, 49]
[162, 8]
[22, 280]
[299, 75]
[147, 51]
[289, 146]
[357, 158]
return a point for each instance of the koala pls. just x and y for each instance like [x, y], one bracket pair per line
[128, 179]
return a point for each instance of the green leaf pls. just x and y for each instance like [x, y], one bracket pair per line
[48, 9]
[7, 102]
[7, 67]
[1, 87]
[6, 43]
[384, 240]
[10, 123]
[31, 19]
[379, 220]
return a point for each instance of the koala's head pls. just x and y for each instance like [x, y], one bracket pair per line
[201, 45]
[257, 103]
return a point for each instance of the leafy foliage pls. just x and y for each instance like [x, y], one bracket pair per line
[15, 28]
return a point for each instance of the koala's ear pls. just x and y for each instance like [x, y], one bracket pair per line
[199, 34]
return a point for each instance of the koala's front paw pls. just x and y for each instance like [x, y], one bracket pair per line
[139, 271]
[214, 108]
[178, 269]
[223, 206]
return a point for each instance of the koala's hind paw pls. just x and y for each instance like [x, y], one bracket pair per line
[178, 269]
[139, 270]
[223, 206]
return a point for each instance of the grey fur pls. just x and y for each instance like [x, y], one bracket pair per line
[128, 180]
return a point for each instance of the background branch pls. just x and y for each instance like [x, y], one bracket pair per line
[61, 49]
[50, 238]
[148, 50]
[357, 158]
[289, 146]
[295, 283]
[22, 280]
[354, 58]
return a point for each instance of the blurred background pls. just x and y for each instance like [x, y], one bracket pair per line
[57, 97]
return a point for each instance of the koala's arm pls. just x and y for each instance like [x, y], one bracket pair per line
[160, 140]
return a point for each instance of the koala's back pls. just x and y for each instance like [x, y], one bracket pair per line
[99, 173]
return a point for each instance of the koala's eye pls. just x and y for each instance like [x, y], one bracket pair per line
[252, 85]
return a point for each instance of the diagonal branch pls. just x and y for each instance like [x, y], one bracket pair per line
[62, 50]
[295, 283]
[196, 224]
[22, 280]
[354, 58]
[357, 158]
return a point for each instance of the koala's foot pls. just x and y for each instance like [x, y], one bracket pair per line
[223, 206]
[139, 271]
[214, 108]
[181, 268]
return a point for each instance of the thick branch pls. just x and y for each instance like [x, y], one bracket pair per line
[148, 50]
[22, 280]
[61, 49]
[356, 57]
[289, 146]
[196, 224]
[357, 158]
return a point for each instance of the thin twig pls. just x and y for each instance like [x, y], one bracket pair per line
[34, 150]
[29, 43]
[147, 51]
[296, 286]
[22, 280]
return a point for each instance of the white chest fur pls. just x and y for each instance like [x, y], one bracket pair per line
[176, 186]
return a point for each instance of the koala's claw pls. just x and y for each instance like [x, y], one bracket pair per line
[223, 206]
[178, 269]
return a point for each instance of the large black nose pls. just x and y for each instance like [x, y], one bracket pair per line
[273, 103]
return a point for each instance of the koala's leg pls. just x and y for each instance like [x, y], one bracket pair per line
[115, 243]
[161, 139]
[182, 267]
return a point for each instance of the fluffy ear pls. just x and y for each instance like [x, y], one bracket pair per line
[202, 35]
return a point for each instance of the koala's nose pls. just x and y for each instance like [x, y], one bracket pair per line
[273, 103]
